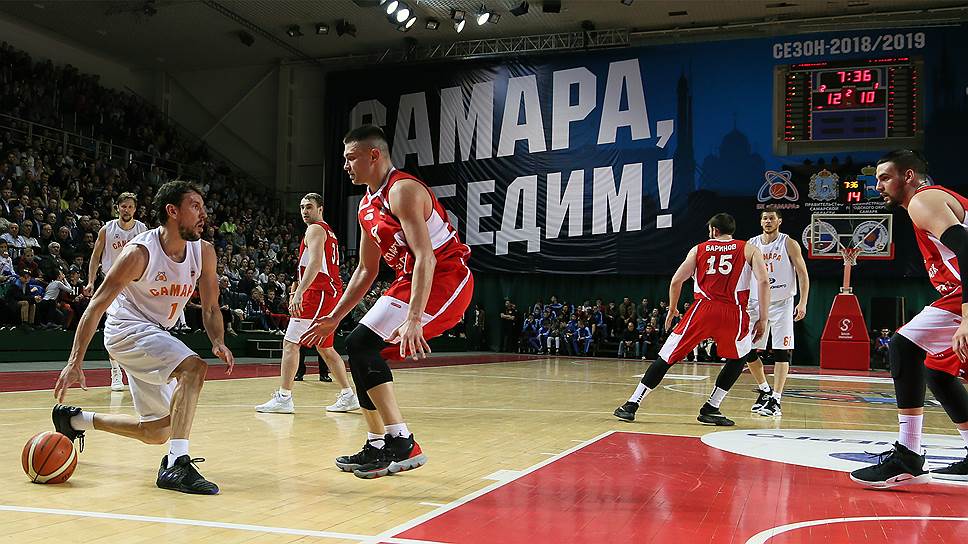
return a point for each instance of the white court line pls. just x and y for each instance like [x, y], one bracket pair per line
[763, 536]
[385, 535]
[840, 404]
[434, 504]
[204, 523]
[839, 378]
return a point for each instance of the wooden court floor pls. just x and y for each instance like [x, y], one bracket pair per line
[517, 428]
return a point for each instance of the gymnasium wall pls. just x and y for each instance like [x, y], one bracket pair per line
[590, 174]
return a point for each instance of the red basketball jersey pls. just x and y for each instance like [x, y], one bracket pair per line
[722, 272]
[379, 221]
[940, 262]
[327, 278]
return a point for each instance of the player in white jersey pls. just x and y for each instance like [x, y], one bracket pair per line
[111, 239]
[143, 294]
[783, 256]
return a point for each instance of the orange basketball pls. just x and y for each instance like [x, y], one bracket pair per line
[49, 458]
[778, 190]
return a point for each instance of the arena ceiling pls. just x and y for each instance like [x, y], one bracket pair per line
[176, 35]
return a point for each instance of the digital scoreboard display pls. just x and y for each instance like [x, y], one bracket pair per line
[848, 106]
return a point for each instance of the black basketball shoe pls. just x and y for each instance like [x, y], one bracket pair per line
[956, 471]
[399, 454]
[899, 466]
[712, 416]
[369, 453]
[61, 416]
[183, 477]
[325, 377]
[626, 411]
[761, 399]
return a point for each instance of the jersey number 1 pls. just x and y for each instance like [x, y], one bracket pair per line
[724, 267]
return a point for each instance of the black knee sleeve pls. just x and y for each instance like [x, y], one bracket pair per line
[782, 355]
[753, 356]
[950, 393]
[655, 373]
[366, 365]
[907, 369]
[730, 373]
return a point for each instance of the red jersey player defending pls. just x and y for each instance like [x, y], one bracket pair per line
[721, 268]
[313, 295]
[937, 338]
[401, 220]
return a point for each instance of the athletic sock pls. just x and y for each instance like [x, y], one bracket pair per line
[717, 396]
[345, 391]
[777, 395]
[375, 440]
[964, 435]
[176, 448]
[764, 387]
[285, 393]
[640, 392]
[83, 421]
[909, 432]
[398, 429]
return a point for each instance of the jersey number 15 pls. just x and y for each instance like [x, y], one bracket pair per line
[724, 267]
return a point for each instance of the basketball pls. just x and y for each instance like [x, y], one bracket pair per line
[778, 190]
[49, 458]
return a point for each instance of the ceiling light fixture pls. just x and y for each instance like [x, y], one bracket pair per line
[459, 25]
[520, 9]
[432, 24]
[483, 15]
[294, 31]
[406, 26]
[322, 28]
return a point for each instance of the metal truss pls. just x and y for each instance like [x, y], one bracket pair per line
[562, 41]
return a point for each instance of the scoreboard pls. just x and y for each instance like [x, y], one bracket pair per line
[869, 104]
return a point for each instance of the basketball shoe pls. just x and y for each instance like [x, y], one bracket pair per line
[183, 476]
[771, 408]
[956, 471]
[626, 411]
[278, 404]
[345, 402]
[761, 399]
[369, 454]
[712, 416]
[61, 416]
[899, 466]
[117, 382]
[400, 453]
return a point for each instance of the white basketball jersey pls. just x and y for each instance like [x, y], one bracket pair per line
[115, 239]
[783, 279]
[160, 295]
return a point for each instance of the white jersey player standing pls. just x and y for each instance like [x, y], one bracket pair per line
[784, 264]
[111, 239]
[143, 294]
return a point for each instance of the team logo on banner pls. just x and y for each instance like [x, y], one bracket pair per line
[867, 179]
[871, 235]
[826, 238]
[778, 186]
[823, 185]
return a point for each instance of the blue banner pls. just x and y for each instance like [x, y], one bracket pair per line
[612, 161]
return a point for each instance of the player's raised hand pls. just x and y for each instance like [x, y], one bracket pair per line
[320, 328]
[411, 338]
[71, 374]
[225, 354]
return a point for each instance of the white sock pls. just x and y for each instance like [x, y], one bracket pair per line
[345, 391]
[398, 429]
[176, 448]
[964, 435]
[717, 396]
[375, 440]
[777, 395]
[640, 392]
[909, 432]
[764, 387]
[285, 393]
[83, 421]
[114, 365]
